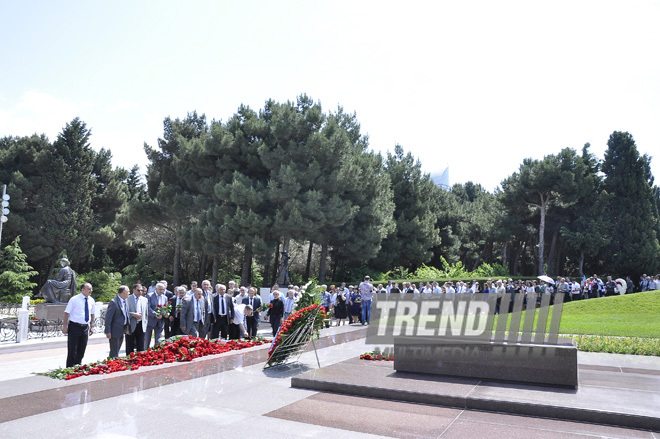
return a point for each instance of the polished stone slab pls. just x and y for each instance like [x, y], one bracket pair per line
[37, 394]
[554, 365]
[604, 397]
[417, 421]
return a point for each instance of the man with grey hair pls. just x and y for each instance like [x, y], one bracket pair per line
[194, 315]
[175, 315]
[156, 320]
[117, 320]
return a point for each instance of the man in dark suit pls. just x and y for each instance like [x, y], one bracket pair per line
[194, 315]
[252, 321]
[166, 321]
[137, 311]
[155, 324]
[116, 317]
[223, 312]
[177, 305]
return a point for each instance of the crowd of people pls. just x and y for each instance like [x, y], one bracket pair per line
[231, 312]
[346, 302]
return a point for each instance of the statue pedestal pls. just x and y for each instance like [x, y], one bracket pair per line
[50, 311]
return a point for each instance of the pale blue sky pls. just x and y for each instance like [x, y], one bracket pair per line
[473, 85]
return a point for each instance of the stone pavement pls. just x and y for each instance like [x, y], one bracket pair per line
[231, 395]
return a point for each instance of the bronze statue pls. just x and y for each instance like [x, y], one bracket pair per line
[61, 289]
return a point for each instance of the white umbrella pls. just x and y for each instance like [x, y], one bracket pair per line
[547, 279]
[621, 286]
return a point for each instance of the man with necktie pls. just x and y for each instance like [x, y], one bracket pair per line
[78, 324]
[177, 305]
[194, 315]
[116, 320]
[207, 293]
[253, 320]
[223, 312]
[137, 311]
[155, 324]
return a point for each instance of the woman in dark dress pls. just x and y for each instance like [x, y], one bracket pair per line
[355, 302]
[340, 309]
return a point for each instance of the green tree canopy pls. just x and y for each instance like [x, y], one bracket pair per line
[634, 247]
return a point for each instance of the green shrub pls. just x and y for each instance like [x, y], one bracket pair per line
[105, 285]
[426, 272]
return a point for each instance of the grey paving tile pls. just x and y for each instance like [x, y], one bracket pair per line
[373, 416]
[497, 419]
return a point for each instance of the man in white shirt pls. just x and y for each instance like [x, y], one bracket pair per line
[237, 327]
[152, 288]
[191, 291]
[289, 303]
[242, 294]
[78, 324]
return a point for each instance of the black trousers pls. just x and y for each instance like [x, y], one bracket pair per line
[220, 328]
[275, 323]
[175, 327]
[135, 340]
[252, 325]
[76, 343]
[234, 331]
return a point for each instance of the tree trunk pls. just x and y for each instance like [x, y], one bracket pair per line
[542, 236]
[214, 271]
[246, 268]
[581, 264]
[476, 263]
[264, 281]
[505, 250]
[551, 254]
[309, 261]
[322, 262]
[202, 269]
[177, 261]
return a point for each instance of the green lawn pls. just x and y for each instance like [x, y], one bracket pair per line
[628, 324]
[633, 315]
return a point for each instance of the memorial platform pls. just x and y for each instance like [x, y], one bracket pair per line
[231, 395]
[607, 393]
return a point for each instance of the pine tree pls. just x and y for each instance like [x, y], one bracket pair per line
[634, 248]
[15, 273]
[414, 214]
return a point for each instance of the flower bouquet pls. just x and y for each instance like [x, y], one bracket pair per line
[164, 310]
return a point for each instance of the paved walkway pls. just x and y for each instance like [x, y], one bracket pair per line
[230, 395]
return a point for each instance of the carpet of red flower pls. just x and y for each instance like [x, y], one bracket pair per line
[377, 356]
[177, 349]
[293, 322]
